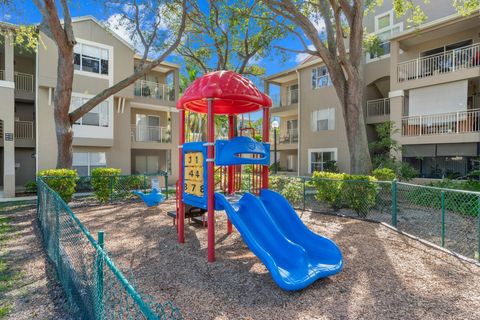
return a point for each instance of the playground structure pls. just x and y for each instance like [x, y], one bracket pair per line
[294, 255]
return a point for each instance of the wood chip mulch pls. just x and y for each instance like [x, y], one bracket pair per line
[386, 275]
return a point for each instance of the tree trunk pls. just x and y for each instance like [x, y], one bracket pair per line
[360, 162]
[61, 102]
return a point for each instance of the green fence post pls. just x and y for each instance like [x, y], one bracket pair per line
[166, 186]
[100, 275]
[394, 203]
[443, 218]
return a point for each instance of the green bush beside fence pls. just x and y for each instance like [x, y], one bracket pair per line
[102, 181]
[62, 181]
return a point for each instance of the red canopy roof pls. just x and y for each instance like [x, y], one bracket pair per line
[233, 94]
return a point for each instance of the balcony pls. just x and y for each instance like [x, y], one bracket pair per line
[378, 110]
[443, 123]
[144, 133]
[290, 136]
[447, 62]
[2, 75]
[153, 90]
[286, 99]
[23, 82]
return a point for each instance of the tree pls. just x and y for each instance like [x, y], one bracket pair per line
[229, 35]
[340, 48]
[143, 19]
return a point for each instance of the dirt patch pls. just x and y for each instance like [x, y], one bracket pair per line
[386, 275]
[33, 292]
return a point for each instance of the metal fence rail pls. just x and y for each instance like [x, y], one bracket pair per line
[94, 286]
[445, 217]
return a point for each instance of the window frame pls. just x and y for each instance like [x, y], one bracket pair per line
[109, 49]
[331, 122]
[89, 161]
[320, 150]
[317, 77]
[83, 97]
[390, 28]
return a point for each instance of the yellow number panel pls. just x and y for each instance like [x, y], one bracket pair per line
[194, 173]
[194, 159]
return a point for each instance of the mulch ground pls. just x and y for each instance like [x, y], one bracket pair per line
[32, 292]
[386, 275]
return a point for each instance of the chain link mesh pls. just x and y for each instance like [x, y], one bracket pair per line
[94, 286]
[448, 218]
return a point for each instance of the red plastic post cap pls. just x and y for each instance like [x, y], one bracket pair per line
[233, 94]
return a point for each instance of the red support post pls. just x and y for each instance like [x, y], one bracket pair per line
[181, 206]
[211, 181]
[265, 138]
[231, 169]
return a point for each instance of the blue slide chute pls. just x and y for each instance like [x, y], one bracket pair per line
[294, 255]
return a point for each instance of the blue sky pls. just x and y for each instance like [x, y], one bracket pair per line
[25, 12]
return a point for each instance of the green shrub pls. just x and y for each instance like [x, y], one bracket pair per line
[31, 186]
[330, 166]
[341, 190]
[329, 187]
[62, 181]
[384, 174]
[359, 193]
[289, 187]
[124, 185]
[103, 182]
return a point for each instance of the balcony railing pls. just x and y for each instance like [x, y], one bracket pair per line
[23, 82]
[2, 75]
[143, 133]
[154, 90]
[446, 62]
[443, 123]
[290, 136]
[378, 107]
[24, 130]
[287, 98]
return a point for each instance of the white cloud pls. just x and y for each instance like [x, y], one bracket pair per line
[116, 23]
[300, 57]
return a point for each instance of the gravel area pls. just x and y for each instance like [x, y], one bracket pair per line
[33, 293]
[386, 275]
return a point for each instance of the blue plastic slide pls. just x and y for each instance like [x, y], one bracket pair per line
[294, 255]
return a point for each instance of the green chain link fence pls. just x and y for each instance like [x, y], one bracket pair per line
[94, 286]
[446, 217]
[119, 188]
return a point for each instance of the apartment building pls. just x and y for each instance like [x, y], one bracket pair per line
[131, 130]
[427, 81]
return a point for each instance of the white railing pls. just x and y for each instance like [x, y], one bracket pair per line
[143, 133]
[23, 82]
[378, 107]
[441, 63]
[292, 97]
[24, 130]
[287, 98]
[442, 123]
[2, 75]
[154, 90]
[290, 136]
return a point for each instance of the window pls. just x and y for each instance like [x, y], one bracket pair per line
[320, 77]
[146, 164]
[90, 59]
[323, 120]
[85, 162]
[318, 157]
[385, 29]
[98, 116]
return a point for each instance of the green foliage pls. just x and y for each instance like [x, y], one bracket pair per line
[340, 190]
[329, 188]
[103, 181]
[31, 186]
[330, 166]
[372, 44]
[384, 174]
[62, 181]
[289, 187]
[466, 7]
